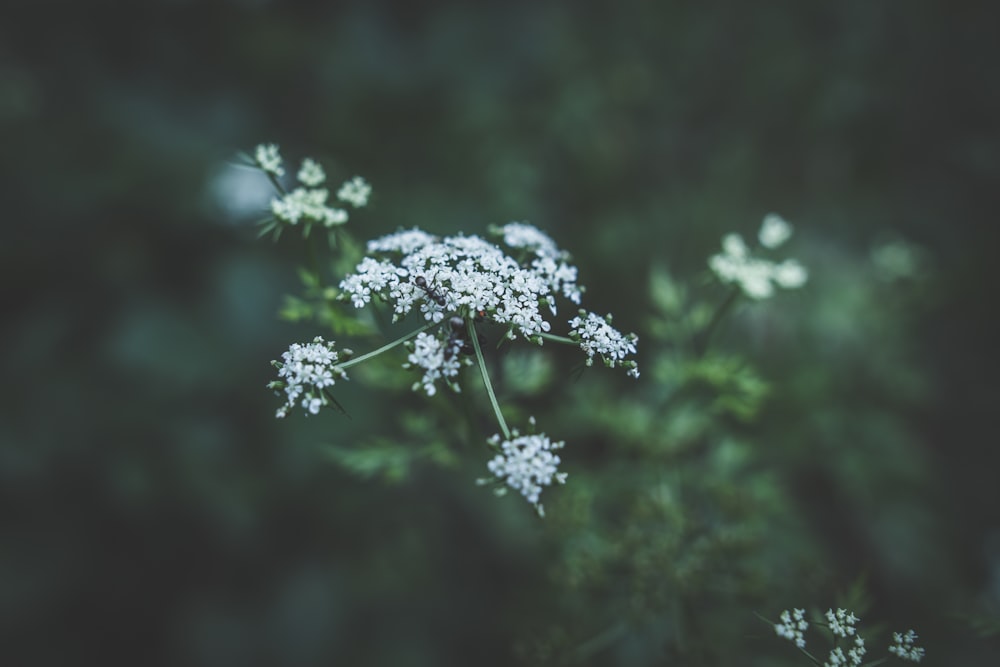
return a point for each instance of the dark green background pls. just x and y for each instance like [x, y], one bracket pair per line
[152, 510]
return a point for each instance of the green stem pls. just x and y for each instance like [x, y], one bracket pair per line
[275, 182]
[486, 377]
[384, 348]
[558, 339]
[703, 338]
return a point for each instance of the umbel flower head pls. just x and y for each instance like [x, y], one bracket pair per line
[306, 371]
[468, 276]
[527, 464]
[308, 203]
[757, 276]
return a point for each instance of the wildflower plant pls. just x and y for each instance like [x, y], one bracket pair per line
[455, 287]
[849, 646]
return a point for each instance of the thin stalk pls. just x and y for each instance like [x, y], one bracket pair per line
[558, 339]
[703, 338]
[384, 348]
[486, 377]
[275, 182]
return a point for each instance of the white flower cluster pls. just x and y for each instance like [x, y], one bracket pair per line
[462, 274]
[269, 160]
[757, 276]
[903, 646]
[841, 623]
[852, 658]
[309, 201]
[527, 464]
[439, 361]
[597, 336]
[792, 625]
[471, 277]
[307, 369]
[355, 192]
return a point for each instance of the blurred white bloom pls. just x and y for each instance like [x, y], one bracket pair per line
[903, 646]
[241, 192]
[757, 276]
[792, 625]
[734, 246]
[790, 274]
[311, 174]
[527, 464]
[269, 160]
[596, 336]
[774, 231]
[355, 192]
[305, 370]
[896, 259]
[439, 360]
[301, 203]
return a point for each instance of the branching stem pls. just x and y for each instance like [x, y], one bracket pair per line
[558, 339]
[486, 377]
[388, 346]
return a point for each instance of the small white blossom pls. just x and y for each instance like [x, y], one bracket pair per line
[853, 657]
[527, 464]
[550, 262]
[311, 173]
[790, 274]
[735, 246]
[836, 659]
[757, 276]
[439, 361]
[596, 336]
[857, 653]
[305, 370]
[309, 204]
[774, 231]
[792, 625]
[841, 622]
[355, 192]
[903, 646]
[269, 160]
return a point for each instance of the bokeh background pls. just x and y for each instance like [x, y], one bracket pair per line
[153, 511]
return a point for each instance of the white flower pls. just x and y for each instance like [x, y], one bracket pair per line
[527, 464]
[841, 622]
[857, 654]
[792, 625]
[755, 276]
[596, 336]
[307, 369]
[457, 274]
[355, 192]
[269, 160]
[734, 246]
[790, 274]
[308, 204]
[311, 174]
[439, 360]
[774, 231]
[903, 646]
[853, 658]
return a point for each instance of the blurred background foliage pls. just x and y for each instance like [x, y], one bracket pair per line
[834, 445]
